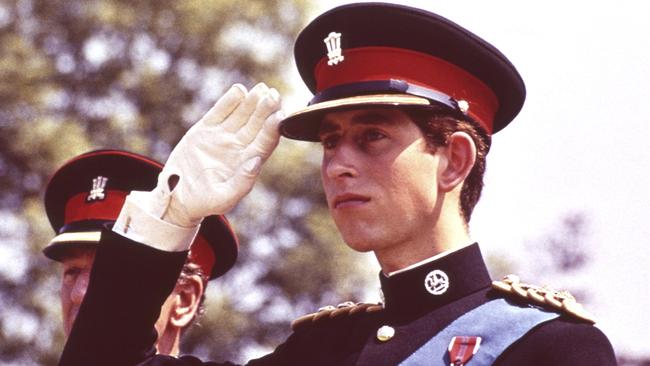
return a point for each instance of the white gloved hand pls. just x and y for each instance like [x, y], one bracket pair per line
[217, 161]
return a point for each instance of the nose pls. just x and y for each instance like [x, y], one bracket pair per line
[339, 162]
[79, 288]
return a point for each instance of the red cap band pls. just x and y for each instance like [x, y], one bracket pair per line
[385, 63]
[201, 254]
[78, 208]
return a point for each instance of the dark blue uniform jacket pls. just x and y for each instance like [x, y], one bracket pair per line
[130, 281]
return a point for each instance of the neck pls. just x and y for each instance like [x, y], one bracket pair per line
[168, 342]
[428, 260]
[449, 233]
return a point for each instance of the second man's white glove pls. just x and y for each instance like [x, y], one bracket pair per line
[217, 161]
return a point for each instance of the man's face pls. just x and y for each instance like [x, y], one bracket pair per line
[379, 178]
[76, 272]
[77, 264]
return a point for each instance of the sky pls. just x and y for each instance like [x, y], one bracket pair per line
[579, 144]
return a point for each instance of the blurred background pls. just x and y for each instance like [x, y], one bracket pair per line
[565, 201]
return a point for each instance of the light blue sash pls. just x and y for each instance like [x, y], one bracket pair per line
[498, 323]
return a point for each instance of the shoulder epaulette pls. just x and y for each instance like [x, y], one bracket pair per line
[330, 312]
[544, 296]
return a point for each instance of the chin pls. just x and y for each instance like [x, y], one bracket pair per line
[360, 243]
[360, 247]
[360, 235]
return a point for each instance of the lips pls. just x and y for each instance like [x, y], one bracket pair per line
[349, 200]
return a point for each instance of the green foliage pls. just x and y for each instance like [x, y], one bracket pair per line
[81, 75]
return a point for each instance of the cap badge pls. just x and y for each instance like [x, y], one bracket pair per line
[97, 193]
[436, 282]
[333, 43]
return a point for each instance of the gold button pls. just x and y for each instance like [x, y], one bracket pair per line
[385, 333]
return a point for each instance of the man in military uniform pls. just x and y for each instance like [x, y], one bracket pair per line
[88, 192]
[405, 104]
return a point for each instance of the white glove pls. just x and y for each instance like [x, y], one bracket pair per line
[215, 164]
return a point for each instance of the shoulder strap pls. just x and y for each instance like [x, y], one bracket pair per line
[498, 323]
[330, 312]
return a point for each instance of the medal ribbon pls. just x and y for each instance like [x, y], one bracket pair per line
[462, 348]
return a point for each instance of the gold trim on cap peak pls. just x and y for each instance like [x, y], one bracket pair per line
[387, 99]
[86, 236]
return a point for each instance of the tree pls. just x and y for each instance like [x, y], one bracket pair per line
[81, 75]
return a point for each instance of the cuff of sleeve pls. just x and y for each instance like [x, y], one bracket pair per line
[141, 226]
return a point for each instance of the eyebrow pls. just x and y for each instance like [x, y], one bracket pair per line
[366, 118]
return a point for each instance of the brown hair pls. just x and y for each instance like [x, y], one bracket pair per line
[437, 128]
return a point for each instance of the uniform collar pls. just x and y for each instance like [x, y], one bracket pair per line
[416, 291]
[425, 261]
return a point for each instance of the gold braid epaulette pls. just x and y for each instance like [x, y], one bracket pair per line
[330, 312]
[543, 296]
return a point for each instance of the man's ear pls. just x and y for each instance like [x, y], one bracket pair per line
[456, 161]
[187, 298]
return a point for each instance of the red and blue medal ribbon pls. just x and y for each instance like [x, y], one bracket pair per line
[462, 348]
[499, 323]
